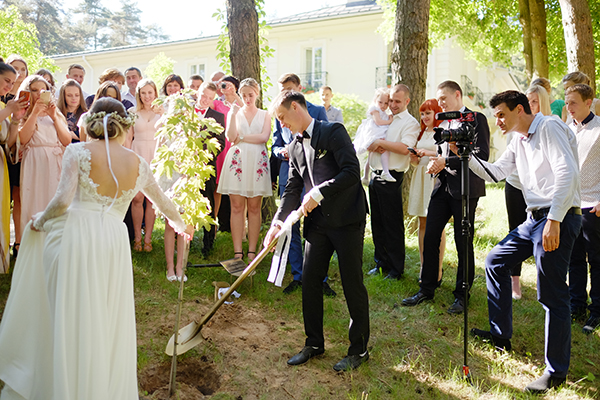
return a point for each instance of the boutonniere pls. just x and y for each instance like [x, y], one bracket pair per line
[321, 153]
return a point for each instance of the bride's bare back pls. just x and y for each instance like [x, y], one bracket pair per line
[125, 165]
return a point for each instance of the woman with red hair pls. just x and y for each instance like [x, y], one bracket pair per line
[421, 183]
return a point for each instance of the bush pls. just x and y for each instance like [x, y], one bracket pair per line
[353, 109]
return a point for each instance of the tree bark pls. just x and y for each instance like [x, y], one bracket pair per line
[525, 19]
[539, 45]
[579, 38]
[409, 60]
[410, 51]
[242, 22]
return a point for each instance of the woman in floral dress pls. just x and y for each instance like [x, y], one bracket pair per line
[245, 176]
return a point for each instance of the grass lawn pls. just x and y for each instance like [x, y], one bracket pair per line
[416, 353]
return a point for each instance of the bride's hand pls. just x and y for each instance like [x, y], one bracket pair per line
[189, 233]
[33, 228]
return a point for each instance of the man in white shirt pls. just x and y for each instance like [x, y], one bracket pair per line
[387, 217]
[545, 156]
[586, 127]
[77, 73]
[132, 75]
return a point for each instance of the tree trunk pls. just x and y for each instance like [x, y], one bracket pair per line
[242, 22]
[410, 52]
[579, 38]
[409, 60]
[525, 19]
[539, 45]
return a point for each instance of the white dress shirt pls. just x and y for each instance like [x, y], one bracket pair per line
[547, 164]
[588, 145]
[309, 154]
[405, 129]
[128, 96]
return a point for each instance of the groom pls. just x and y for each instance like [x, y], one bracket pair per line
[323, 162]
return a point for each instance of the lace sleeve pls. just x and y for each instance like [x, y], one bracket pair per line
[69, 178]
[151, 190]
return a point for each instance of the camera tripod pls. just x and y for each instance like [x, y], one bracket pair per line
[465, 152]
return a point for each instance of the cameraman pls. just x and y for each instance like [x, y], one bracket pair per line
[446, 202]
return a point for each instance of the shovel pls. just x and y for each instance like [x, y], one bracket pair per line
[190, 336]
[235, 266]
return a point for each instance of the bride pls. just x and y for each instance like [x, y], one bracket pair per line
[68, 329]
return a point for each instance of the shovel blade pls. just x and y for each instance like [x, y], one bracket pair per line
[235, 266]
[189, 337]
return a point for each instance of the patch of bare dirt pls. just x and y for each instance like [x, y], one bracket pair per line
[245, 355]
[196, 378]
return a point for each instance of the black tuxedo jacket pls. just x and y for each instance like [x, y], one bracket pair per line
[336, 171]
[220, 119]
[449, 179]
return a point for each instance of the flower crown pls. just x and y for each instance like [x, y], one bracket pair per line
[126, 122]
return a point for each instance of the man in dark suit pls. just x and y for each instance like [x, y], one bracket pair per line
[282, 137]
[446, 202]
[206, 95]
[323, 162]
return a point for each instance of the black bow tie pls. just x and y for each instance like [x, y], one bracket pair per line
[303, 135]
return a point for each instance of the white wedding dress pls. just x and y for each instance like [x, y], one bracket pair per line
[68, 329]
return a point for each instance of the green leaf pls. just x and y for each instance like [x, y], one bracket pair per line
[590, 377]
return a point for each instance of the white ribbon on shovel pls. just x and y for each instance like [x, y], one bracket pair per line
[279, 261]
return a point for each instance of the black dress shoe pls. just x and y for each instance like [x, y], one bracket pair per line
[292, 287]
[349, 363]
[543, 384]
[457, 307]
[328, 291]
[487, 336]
[416, 299]
[305, 354]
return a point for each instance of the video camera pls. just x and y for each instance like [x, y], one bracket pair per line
[463, 135]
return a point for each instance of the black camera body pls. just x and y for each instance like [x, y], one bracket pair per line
[464, 135]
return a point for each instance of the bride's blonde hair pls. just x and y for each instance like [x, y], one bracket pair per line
[118, 122]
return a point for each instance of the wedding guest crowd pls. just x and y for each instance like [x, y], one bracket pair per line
[316, 168]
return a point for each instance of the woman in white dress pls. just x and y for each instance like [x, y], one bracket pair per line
[421, 183]
[68, 330]
[245, 176]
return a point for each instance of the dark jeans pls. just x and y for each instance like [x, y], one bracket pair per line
[387, 223]
[321, 242]
[553, 292]
[442, 206]
[586, 244]
[517, 214]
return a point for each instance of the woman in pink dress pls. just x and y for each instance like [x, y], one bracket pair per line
[44, 136]
[142, 140]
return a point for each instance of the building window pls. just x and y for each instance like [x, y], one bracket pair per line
[198, 69]
[315, 76]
